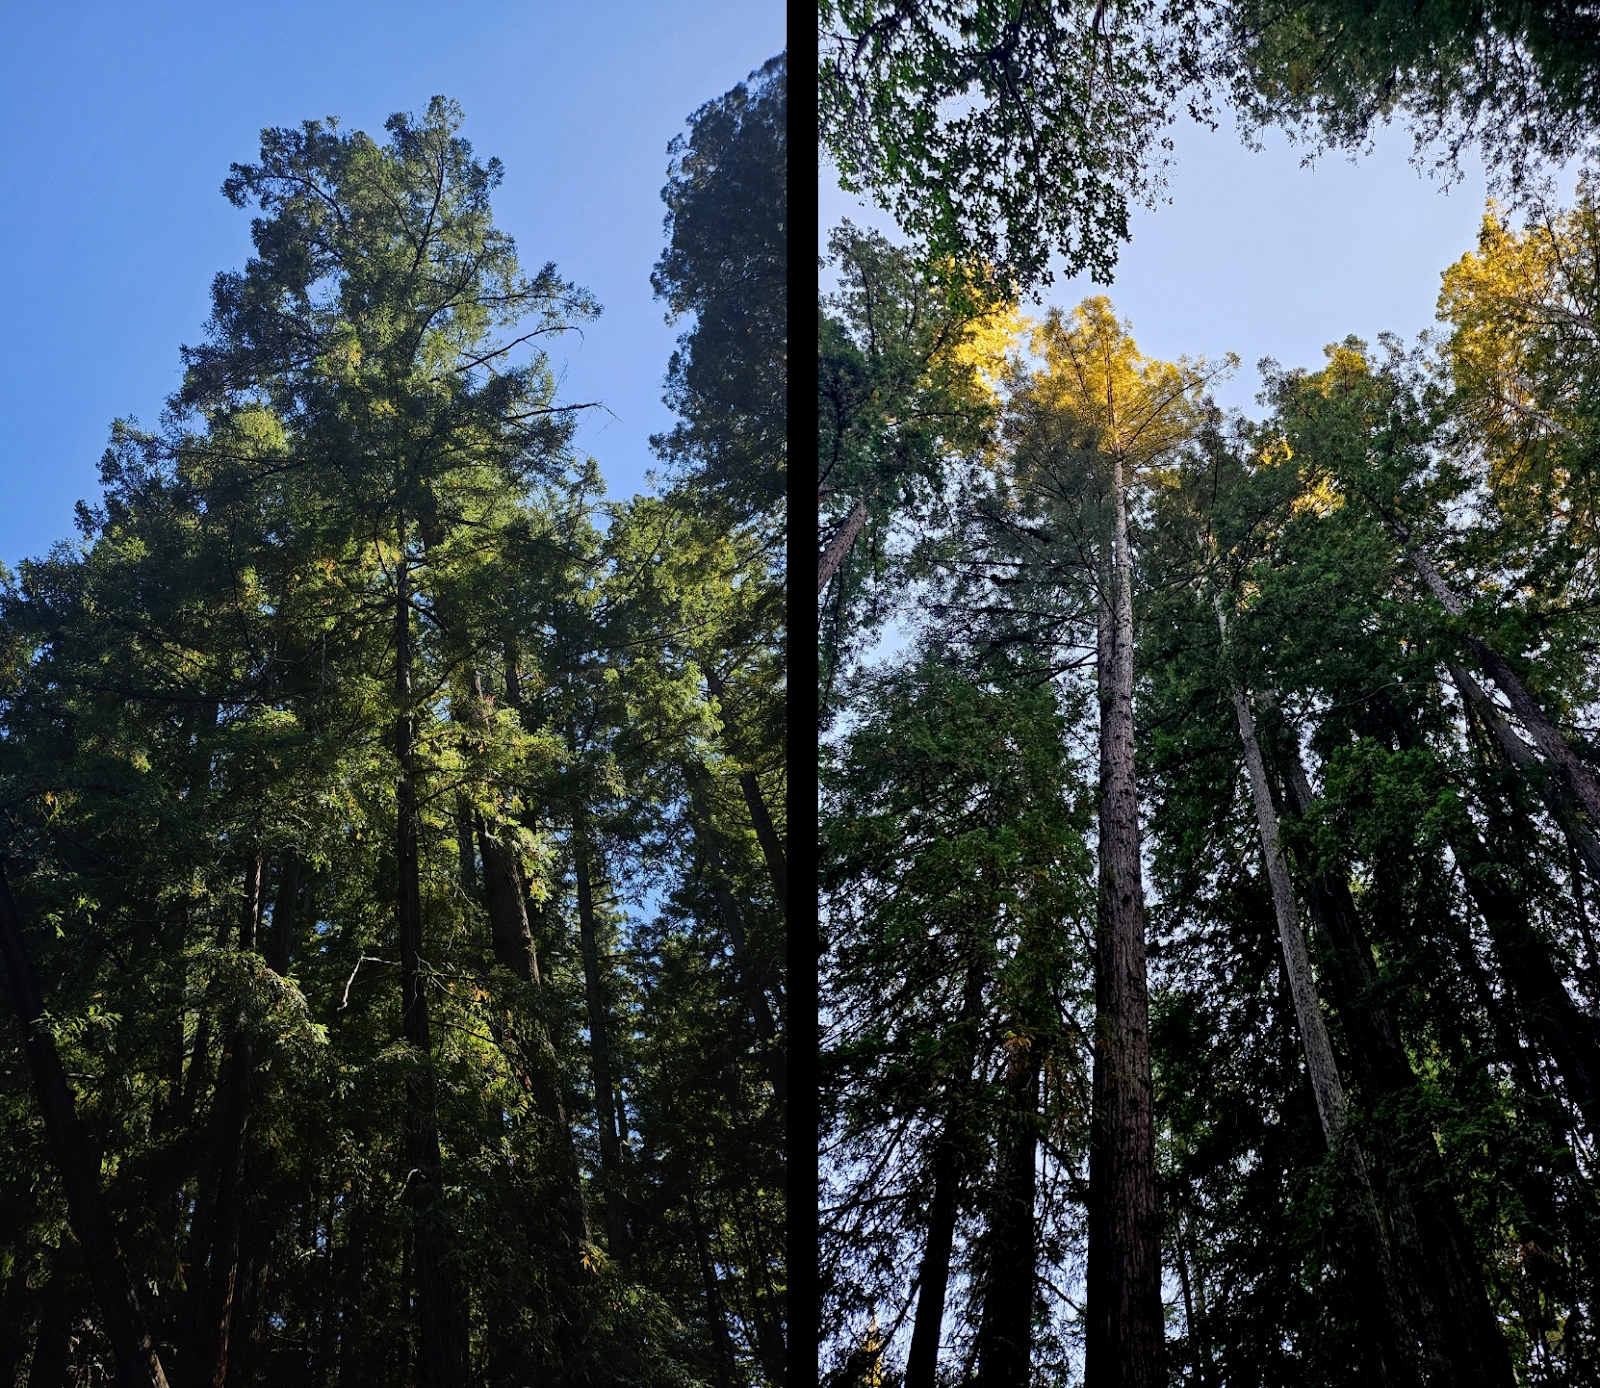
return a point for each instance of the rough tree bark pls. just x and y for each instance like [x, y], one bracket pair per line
[1124, 1342]
[1552, 789]
[839, 545]
[138, 1365]
[514, 948]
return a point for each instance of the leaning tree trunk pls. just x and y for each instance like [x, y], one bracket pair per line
[1579, 780]
[600, 1060]
[1390, 1330]
[839, 545]
[716, 1312]
[441, 1299]
[1431, 1239]
[1552, 789]
[1124, 1343]
[138, 1365]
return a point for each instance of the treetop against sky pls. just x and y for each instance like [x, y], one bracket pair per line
[125, 122]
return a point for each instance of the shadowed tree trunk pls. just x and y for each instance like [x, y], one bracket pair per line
[514, 949]
[441, 1300]
[1389, 1324]
[216, 1289]
[1005, 1332]
[933, 1279]
[1125, 1331]
[138, 1365]
[716, 1313]
[755, 802]
[600, 1056]
[1431, 1239]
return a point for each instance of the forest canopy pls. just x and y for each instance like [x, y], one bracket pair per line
[393, 885]
[1210, 802]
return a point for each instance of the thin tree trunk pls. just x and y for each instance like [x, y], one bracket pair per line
[755, 802]
[1392, 1335]
[138, 1365]
[1124, 1343]
[1005, 1331]
[515, 951]
[216, 1289]
[839, 546]
[1551, 788]
[600, 1057]
[716, 1313]
[1580, 780]
[441, 1299]
[1460, 1329]
[749, 977]
[933, 1278]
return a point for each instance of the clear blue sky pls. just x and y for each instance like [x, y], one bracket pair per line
[122, 120]
[1256, 255]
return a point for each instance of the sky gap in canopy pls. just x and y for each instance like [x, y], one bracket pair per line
[122, 121]
[1258, 255]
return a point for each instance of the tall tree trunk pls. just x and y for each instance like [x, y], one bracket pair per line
[1552, 789]
[600, 1053]
[1431, 1239]
[749, 976]
[1579, 780]
[441, 1299]
[285, 916]
[933, 1278]
[515, 951]
[1124, 1342]
[216, 1289]
[755, 802]
[716, 1312]
[1005, 1331]
[839, 546]
[52, 1345]
[138, 1365]
[1389, 1324]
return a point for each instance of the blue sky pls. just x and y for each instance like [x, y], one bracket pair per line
[1257, 255]
[122, 121]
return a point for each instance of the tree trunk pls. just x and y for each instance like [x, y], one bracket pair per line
[138, 1365]
[716, 1313]
[1552, 789]
[755, 802]
[216, 1288]
[839, 546]
[1005, 1332]
[285, 911]
[515, 951]
[933, 1278]
[441, 1299]
[1580, 780]
[1392, 1336]
[600, 1057]
[749, 976]
[52, 1346]
[1124, 1342]
[1432, 1242]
